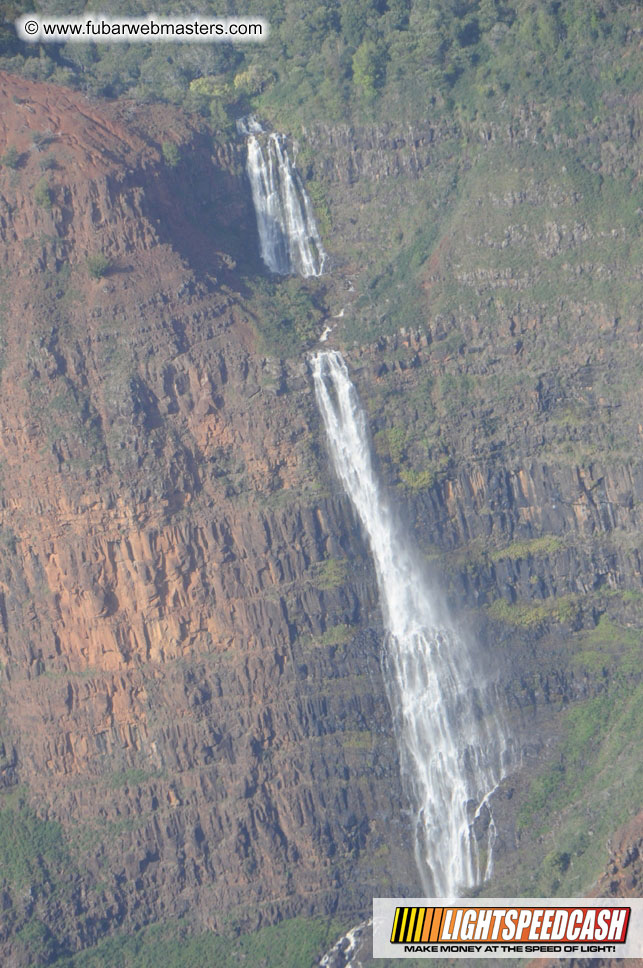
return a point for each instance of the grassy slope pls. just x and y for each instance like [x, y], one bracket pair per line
[293, 944]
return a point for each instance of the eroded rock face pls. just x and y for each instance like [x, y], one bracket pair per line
[189, 629]
[622, 878]
[624, 873]
[188, 687]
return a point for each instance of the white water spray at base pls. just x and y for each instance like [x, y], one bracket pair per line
[449, 737]
[345, 952]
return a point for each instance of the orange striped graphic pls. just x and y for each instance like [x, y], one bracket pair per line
[428, 921]
[436, 930]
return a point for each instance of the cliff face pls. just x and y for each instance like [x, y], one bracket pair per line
[193, 717]
[503, 400]
[186, 689]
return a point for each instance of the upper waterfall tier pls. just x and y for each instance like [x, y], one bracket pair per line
[450, 738]
[289, 239]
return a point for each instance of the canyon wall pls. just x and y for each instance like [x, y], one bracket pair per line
[191, 684]
[193, 723]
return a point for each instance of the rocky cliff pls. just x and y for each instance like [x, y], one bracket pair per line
[503, 405]
[191, 694]
[193, 723]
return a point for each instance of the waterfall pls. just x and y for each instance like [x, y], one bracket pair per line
[289, 239]
[450, 740]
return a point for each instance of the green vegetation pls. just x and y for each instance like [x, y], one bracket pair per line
[392, 442]
[291, 944]
[592, 783]
[357, 739]
[462, 59]
[31, 850]
[331, 573]
[547, 544]
[526, 614]
[11, 157]
[317, 195]
[36, 943]
[417, 481]
[368, 66]
[407, 450]
[171, 153]
[42, 194]
[610, 647]
[63, 410]
[470, 69]
[131, 778]
[286, 313]
[98, 265]
[504, 238]
[336, 635]
[455, 392]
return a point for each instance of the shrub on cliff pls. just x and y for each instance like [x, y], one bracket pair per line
[98, 265]
[171, 154]
[11, 157]
[287, 316]
[42, 194]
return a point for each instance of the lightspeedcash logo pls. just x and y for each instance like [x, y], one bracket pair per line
[507, 928]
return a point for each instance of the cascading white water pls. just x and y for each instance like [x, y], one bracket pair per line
[289, 239]
[450, 740]
[248, 125]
